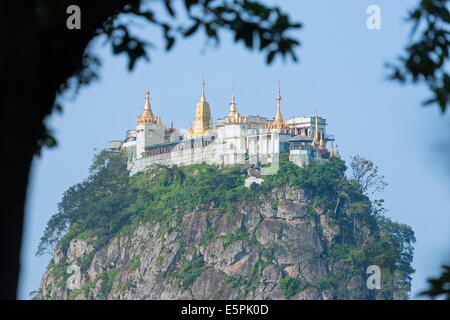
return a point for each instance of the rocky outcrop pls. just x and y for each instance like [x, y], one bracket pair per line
[208, 254]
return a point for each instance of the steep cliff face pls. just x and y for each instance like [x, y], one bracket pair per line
[198, 233]
[209, 255]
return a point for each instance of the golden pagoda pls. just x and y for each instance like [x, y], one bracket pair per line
[233, 114]
[201, 125]
[278, 122]
[146, 116]
[322, 141]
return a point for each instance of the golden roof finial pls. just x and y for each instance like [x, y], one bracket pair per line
[278, 122]
[322, 141]
[278, 115]
[337, 155]
[332, 150]
[146, 116]
[316, 130]
[147, 100]
[233, 109]
[233, 114]
[203, 97]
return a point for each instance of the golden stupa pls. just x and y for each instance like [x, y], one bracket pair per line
[278, 122]
[201, 125]
[233, 114]
[146, 116]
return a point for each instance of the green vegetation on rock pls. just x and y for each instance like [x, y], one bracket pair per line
[107, 279]
[352, 230]
[289, 286]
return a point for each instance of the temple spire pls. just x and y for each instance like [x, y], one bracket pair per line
[147, 101]
[233, 108]
[278, 115]
[322, 141]
[278, 122]
[332, 150]
[316, 130]
[233, 114]
[146, 115]
[337, 155]
[203, 97]
[202, 120]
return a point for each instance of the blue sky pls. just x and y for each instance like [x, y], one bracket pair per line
[340, 74]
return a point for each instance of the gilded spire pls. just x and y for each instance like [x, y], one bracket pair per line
[322, 141]
[278, 115]
[316, 131]
[332, 150]
[233, 108]
[147, 116]
[202, 121]
[233, 115]
[278, 122]
[203, 97]
[337, 155]
[147, 101]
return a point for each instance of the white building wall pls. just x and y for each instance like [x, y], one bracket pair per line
[147, 135]
[231, 149]
[308, 123]
[130, 147]
[233, 144]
